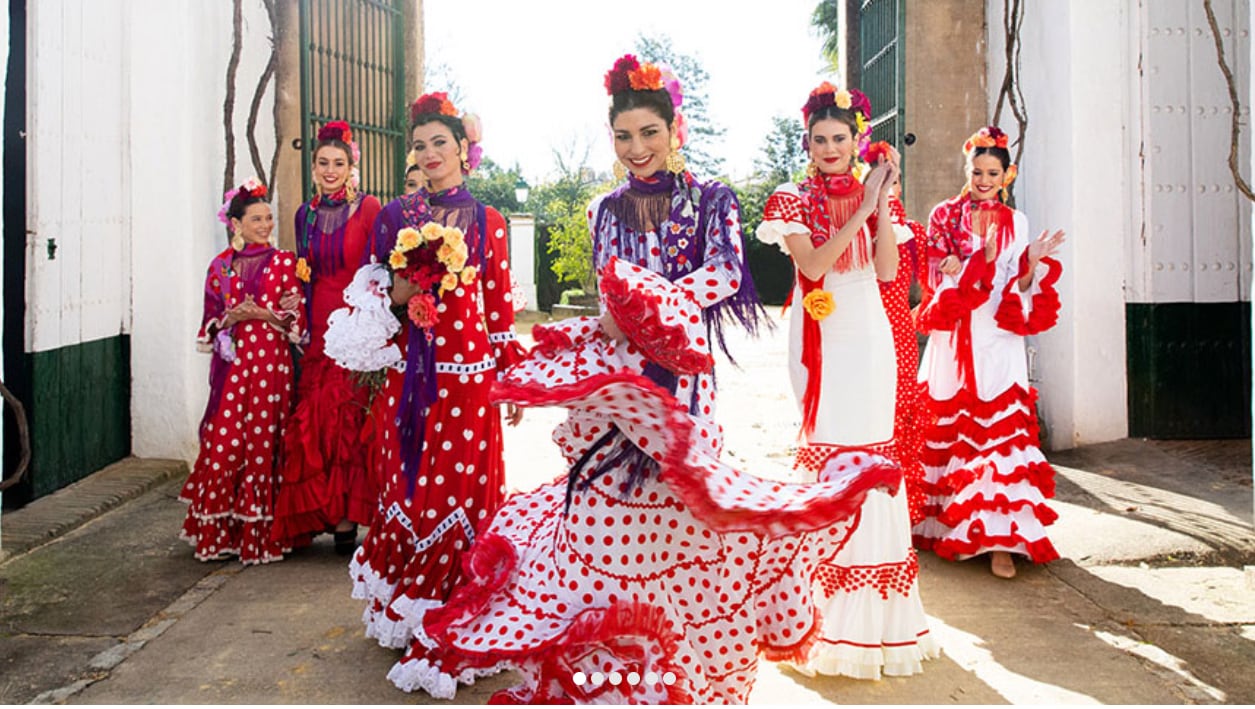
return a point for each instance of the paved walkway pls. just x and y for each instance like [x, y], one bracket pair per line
[101, 603]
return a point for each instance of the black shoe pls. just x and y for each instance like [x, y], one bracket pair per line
[346, 542]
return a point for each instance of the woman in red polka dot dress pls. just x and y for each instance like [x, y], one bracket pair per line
[442, 459]
[651, 573]
[906, 411]
[325, 484]
[230, 493]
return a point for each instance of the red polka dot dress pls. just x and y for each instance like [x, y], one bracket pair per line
[906, 410]
[660, 575]
[230, 493]
[324, 476]
[411, 558]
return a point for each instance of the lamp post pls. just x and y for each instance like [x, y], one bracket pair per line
[523, 246]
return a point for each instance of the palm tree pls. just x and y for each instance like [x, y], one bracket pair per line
[826, 21]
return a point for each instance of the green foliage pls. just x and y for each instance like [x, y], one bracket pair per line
[494, 186]
[703, 132]
[826, 22]
[571, 244]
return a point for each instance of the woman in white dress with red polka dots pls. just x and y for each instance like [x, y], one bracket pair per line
[651, 573]
[839, 233]
[231, 490]
[437, 440]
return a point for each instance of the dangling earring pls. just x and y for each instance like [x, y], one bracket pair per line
[466, 165]
[237, 241]
[812, 169]
[620, 172]
[675, 160]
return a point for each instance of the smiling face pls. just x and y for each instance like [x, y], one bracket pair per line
[332, 167]
[642, 140]
[439, 154]
[984, 176]
[831, 146]
[256, 224]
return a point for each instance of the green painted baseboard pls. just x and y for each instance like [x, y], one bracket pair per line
[1189, 370]
[80, 411]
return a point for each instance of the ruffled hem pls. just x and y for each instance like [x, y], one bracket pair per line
[220, 538]
[953, 548]
[638, 310]
[1044, 304]
[418, 673]
[860, 662]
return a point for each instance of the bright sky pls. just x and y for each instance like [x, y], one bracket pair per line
[533, 70]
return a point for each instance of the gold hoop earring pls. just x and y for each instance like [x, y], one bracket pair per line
[675, 160]
[620, 172]
[237, 241]
[466, 165]
[812, 169]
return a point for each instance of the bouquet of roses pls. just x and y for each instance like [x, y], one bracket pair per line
[433, 258]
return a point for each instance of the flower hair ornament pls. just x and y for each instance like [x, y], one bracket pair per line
[253, 188]
[991, 137]
[438, 103]
[342, 132]
[629, 74]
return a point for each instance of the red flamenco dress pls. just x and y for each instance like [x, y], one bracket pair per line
[324, 474]
[651, 572]
[442, 459]
[906, 415]
[986, 479]
[230, 493]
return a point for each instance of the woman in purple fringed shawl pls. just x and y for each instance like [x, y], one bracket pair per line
[230, 493]
[438, 439]
[653, 573]
[326, 484]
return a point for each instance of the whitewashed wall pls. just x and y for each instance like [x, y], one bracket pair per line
[76, 156]
[177, 67]
[1074, 176]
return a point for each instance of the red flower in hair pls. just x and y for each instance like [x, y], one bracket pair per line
[336, 130]
[617, 79]
[437, 102]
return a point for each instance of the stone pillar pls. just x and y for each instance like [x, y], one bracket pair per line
[523, 255]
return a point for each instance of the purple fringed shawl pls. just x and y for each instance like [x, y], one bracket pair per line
[453, 207]
[239, 274]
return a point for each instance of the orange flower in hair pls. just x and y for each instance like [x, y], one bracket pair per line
[647, 77]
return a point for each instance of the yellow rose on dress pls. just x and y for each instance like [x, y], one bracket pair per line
[302, 269]
[818, 304]
[408, 238]
[448, 282]
[432, 231]
[468, 275]
[397, 260]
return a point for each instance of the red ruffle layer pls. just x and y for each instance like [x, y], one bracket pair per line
[638, 313]
[1044, 311]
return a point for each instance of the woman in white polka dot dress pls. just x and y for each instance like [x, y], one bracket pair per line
[653, 573]
[231, 490]
[442, 458]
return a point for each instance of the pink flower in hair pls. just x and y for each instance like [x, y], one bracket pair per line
[672, 84]
[474, 128]
[226, 203]
[473, 155]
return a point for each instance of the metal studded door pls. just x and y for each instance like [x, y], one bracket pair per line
[882, 61]
[353, 69]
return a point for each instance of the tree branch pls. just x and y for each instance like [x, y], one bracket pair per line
[255, 106]
[1235, 125]
[23, 436]
[228, 105]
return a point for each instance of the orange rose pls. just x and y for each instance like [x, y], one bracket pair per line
[647, 78]
[818, 304]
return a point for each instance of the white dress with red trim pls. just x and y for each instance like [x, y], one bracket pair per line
[874, 617]
[231, 491]
[640, 586]
[986, 479]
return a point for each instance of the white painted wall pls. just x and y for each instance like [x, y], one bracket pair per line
[1073, 176]
[177, 73]
[523, 255]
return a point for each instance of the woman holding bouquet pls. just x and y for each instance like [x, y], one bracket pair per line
[839, 233]
[325, 484]
[442, 462]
